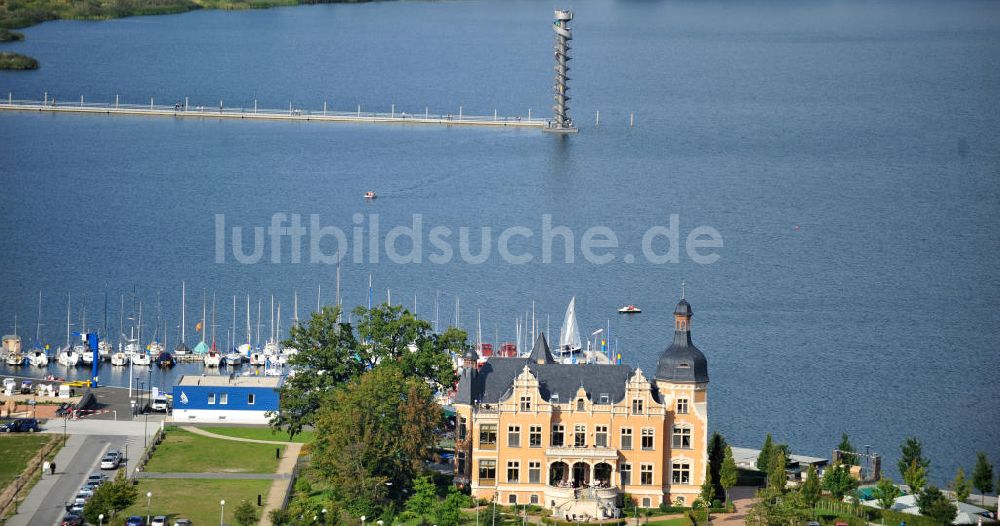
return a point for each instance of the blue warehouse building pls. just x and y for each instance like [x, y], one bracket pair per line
[226, 399]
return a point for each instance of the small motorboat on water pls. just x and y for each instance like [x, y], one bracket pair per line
[119, 359]
[86, 356]
[15, 359]
[165, 359]
[104, 350]
[234, 358]
[68, 357]
[38, 358]
[141, 358]
[212, 358]
[630, 309]
[369, 195]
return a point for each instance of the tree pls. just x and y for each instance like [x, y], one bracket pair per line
[773, 508]
[707, 489]
[377, 429]
[982, 475]
[423, 498]
[449, 512]
[961, 486]
[936, 505]
[848, 455]
[245, 514]
[811, 489]
[391, 334]
[280, 517]
[838, 481]
[912, 451]
[915, 476]
[885, 492]
[326, 359]
[110, 498]
[776, 476]
[716, 455]
[764, 458]
[728, 473]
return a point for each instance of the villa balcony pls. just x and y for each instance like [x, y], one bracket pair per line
[592, 453]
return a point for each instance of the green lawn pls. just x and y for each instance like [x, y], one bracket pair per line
[194, 499]
[184, 452]
[680, 521]
[260, 433]
[16, 451]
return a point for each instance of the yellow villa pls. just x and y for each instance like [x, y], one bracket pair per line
[573, 438]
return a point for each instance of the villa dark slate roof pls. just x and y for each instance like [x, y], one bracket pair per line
[494, 381]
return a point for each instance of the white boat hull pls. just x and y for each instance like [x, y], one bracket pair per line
[233, 359]
[14, 360]
[68, 359]
[119, 359]
[39, 359]
[213, 359]
[141, 359]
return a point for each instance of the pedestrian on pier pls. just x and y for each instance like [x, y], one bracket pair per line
[52, 467]
[45, 467]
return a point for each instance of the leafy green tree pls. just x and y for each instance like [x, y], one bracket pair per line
[377, 429]
[707, 489]
[934, 504]
[848, 455]
[423, 496]
[838, 481]
[728, 473]
[245, 514]
[776, 475]
[391, 334]
[280, 517]
[912, 451]
[811, 489]
[764, 458]
[961, 486]
[326, 359]
[716, 455]
[449, 512]
[885, 492]
[774, 508]
[982, 475]
[915, 476]
[110, 498]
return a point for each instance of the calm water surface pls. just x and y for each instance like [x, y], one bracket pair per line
[846, 152]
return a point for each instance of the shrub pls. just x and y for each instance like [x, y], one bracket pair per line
[17, 62]
[7, 35]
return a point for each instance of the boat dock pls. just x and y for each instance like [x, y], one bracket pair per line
[220, 111]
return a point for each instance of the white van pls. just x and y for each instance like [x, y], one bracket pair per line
[159, 403]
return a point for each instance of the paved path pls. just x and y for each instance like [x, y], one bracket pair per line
[286, 467]
[743, 497]
[231, 476]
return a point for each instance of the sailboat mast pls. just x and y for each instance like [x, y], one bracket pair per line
[277, 325]
[121, 321]
[232, 342]
[213, 320]
[337, 299]
[260, 304]
[204, 314]
[183, 311]
[248, 320]
[140, 323]
[38, 321]
[272, 319]
[295, 314]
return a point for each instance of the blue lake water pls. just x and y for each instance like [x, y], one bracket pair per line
[846, 152]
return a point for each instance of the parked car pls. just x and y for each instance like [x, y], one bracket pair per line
[159, 520]
[182, 522]
[20, 425]
[72, 519]
[99, 478]
[134, 521]
[76, 509]
[111, 460]
[86, 492]
[26, 387]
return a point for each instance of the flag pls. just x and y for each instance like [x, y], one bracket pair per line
[197, 327]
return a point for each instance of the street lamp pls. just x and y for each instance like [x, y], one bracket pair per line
[323, 512]
[149, 498]
[363, 520]
[100, 519]
[222, 513]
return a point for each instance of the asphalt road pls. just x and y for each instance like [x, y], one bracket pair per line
[71, 477]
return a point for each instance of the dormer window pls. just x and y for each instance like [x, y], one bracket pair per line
[604, 399]
[579, 405]
[555, 398]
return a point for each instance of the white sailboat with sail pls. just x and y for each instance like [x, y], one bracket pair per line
[569, 336]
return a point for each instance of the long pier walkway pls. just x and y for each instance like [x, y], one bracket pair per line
[183, 110]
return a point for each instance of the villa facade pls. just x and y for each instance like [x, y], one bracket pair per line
[573, 438]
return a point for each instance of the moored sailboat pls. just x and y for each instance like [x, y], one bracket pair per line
[570, 342]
